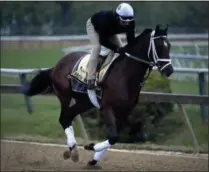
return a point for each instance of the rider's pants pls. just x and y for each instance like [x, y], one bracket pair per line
[96, 47]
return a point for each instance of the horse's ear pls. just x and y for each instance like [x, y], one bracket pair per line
[166, 30]
[157, 28]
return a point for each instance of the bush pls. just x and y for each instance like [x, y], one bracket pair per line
[144, 119]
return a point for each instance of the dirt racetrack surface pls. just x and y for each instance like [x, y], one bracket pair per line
[33, 157]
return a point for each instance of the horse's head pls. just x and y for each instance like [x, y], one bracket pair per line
[152, 47]
[160, 49]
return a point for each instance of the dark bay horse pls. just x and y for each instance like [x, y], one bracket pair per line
[120, 88]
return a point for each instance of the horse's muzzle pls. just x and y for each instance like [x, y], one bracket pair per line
[167, 71]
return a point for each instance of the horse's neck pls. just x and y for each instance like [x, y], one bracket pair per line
[134, 71]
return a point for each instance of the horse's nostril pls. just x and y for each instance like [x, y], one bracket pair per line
[168, 71]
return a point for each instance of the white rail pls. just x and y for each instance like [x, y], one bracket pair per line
[11, 71]
[85, 37]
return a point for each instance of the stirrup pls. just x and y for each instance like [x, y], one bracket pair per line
[91, 84]
[93, 98]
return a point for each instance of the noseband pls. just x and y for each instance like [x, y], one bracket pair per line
[152, 49]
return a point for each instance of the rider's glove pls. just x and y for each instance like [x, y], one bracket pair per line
[121, 50]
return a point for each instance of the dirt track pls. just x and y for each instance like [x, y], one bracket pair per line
[25, 157]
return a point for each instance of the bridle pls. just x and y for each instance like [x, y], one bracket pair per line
[152, 50]
[154, 53]
[155, 57]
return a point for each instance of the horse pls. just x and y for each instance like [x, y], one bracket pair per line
[117, 93]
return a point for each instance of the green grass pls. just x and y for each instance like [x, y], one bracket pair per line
[16, 120]
[181, 134]
[186, 87]
[32, 58]
[35, 58]
[10, 80]
[43, 123]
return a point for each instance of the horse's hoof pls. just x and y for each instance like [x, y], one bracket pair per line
[89, 146]
[75, 154]
[92, 163]
[67, 154]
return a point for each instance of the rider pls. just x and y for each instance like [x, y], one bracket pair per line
[102, 29]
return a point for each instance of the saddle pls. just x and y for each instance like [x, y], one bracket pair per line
[79, 71]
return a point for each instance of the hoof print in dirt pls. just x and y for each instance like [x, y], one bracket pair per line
[66, 154]
[75, 155]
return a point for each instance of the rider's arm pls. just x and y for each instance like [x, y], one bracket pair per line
[107, 43]
[130, 34]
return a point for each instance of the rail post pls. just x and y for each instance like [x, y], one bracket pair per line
[202, 91]
[189, 125]
[27, 99]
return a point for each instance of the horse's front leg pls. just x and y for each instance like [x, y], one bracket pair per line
[100, 148]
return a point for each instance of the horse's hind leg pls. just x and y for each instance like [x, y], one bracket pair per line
[66, 117]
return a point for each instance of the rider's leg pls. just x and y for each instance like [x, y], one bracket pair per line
[92, 64]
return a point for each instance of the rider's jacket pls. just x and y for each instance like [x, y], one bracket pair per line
[106, 24]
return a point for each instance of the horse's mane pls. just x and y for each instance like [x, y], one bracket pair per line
[145, 32]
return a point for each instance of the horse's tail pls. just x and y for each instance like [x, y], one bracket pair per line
[41, 83]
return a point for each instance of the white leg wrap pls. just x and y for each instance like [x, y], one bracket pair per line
[99, 155]
[70, 136]
[101, 146]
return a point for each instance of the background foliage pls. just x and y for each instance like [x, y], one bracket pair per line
[70, 17]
